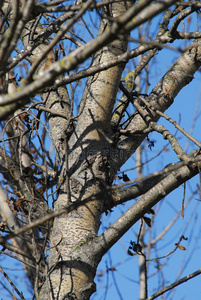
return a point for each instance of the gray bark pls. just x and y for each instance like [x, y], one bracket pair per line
[90, 148]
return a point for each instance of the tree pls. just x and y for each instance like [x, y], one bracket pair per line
[79, 90]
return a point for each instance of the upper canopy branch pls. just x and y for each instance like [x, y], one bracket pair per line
[162, 96]
[72, 60]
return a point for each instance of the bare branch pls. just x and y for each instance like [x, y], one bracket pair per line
[174, 284]
[147, 201]
[69, 62]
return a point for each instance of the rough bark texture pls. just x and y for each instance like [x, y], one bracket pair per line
[161, 97]
[72, 275]
[90, 148]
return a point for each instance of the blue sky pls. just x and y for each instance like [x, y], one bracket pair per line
[126, 274]
[181, 263]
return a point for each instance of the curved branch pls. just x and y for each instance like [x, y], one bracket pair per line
[121, 194]
[8, 216]
[13, 36]
[69, 62]
[106, 240]
[162, 96]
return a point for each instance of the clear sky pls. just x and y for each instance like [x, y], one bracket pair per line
[122, 283]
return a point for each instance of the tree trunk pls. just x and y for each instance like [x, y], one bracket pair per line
[70, 273]
[89, 148]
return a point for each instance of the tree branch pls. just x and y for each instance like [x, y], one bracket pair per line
[161, 97]
[69, 62]
[106, 240]
[121, 194]
[174, 284]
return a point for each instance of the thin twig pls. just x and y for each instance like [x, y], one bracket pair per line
[12, 284]
[174, 284]
[190, 137]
